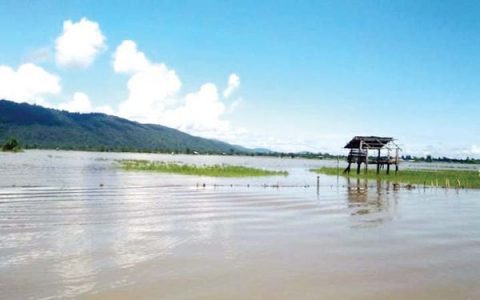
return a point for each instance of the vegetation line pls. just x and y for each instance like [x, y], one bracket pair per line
[440, 178]
[11, 146]
[204, 170]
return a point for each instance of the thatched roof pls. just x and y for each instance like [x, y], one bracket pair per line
[369, 142]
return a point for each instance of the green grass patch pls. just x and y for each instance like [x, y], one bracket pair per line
[204, 170]
[441, 178]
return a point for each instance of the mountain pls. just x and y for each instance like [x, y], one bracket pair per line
[262, 150]
[39, 127]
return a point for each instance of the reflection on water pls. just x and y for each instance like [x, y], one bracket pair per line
[72, 225]
[373, 198]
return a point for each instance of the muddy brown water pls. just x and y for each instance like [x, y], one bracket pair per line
[72, 225]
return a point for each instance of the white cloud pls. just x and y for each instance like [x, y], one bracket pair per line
[150, 91]
[127, 59]
[151, 87]
[233, 84]
[153, 96]
[104, 109]
[79, 43]
[81, 103]
[29, 83]
[200, 113]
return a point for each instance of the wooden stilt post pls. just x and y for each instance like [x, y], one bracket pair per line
[359, 157]
[396, 161]
[338, 166]
[388, 161]
[366, 163]
[378, 162]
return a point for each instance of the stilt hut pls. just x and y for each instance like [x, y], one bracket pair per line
[384, 149]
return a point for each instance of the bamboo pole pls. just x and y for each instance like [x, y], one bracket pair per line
[378, 162]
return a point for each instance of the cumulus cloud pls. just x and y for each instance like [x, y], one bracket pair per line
[233, 84]
[151, 87]
[153, 96]
[150, 91]
[29, 83]
[199, 113]
[81, 103]
[127, 59]
[79, 43]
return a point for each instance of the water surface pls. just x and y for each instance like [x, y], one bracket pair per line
[73, 225]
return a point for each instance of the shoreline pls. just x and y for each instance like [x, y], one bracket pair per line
[449, 178]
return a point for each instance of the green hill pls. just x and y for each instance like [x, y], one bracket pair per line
[38, 127]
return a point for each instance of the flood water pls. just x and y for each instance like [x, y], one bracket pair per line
[73, 225]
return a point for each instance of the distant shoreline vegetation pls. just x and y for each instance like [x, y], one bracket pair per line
[11, 145]
[204, 170]
[431, 178]
[264, 153]
[430, 159]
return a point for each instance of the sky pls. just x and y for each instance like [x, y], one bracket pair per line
[283, 75]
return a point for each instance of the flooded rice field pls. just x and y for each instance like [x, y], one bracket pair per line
[74, 225]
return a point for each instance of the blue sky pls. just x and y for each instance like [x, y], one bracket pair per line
[306, 76]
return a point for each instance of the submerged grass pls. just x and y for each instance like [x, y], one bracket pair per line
[204, 170]
[440, 178]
